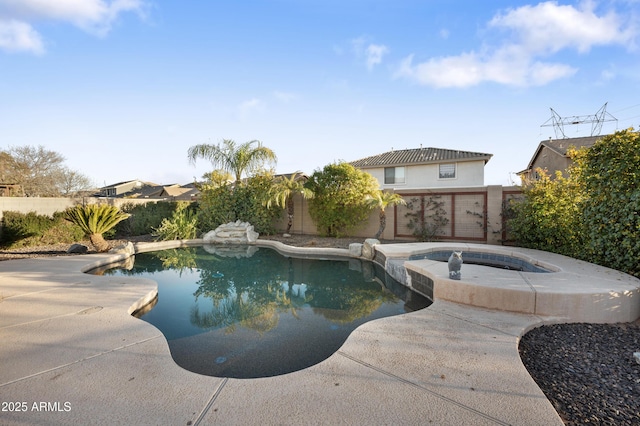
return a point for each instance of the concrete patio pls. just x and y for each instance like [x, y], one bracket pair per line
[72, 354]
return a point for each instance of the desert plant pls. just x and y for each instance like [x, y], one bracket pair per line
[95, 220]
[181, 226]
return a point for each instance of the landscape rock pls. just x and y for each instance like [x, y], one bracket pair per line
[232, 233]
[368, 250]
[355, 249]
[78, 249]
[126, 248]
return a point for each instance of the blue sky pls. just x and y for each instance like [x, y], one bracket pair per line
[122, 88]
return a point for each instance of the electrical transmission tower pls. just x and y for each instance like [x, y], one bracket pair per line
[596, 120]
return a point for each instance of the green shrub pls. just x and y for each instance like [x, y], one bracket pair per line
[144, 217]
[339, 204]
[181, 226]
[244, 201]
[609, 173]
[548, 217]
[594, 214]
[28, 229]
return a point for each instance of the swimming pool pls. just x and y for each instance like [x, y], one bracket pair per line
[247, 312]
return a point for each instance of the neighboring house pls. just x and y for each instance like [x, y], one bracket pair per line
[122, 189]
[147, 190]
[551, 155]
[422, 168]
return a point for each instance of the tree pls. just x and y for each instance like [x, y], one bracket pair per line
[549, 216]
[339, 202]
[381, 200]
[245, 158]
[609, 175]
[282, 192]
[95, 220]
[72, 182]
[39, 172]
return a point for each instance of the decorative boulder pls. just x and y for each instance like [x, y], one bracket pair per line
[127, 248]
[368, 250]
[78, 249]
[355, 249]
[232, 233]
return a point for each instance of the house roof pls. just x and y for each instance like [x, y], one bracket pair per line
[405, 157]
[561, 146]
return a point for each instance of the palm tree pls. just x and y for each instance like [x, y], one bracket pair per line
[94, 220]
[381, 200]
[233, 158]
[282, 192]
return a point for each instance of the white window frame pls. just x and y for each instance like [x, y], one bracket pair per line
[440, 171]
[395, 181]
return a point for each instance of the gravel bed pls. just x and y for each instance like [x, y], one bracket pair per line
[587, 371]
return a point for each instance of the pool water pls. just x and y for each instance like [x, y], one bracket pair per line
[247, 312]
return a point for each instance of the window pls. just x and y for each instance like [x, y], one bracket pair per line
[447, 171]
[393, 175]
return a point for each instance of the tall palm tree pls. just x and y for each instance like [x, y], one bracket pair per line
[282, 192]
[96, 219]
[234, 158]
[381, 200]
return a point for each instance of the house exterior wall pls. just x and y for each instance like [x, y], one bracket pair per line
[468, 173]
[550, 161]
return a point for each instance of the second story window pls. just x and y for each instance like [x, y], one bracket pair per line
[393, 175]
[447, 171]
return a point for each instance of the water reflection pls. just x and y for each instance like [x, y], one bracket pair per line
[239, 311]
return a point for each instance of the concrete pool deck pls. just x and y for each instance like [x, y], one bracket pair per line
[71, 353]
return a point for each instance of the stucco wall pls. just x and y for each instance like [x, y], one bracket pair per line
[468, 173]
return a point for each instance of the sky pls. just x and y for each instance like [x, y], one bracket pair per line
[122, 88]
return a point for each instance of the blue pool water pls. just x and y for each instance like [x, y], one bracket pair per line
[245, 312]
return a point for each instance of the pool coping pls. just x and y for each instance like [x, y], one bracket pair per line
[68, 338]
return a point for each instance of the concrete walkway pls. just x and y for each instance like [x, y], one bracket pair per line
[71, 353]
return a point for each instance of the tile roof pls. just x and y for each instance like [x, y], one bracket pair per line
[562, 145]
[419, 156]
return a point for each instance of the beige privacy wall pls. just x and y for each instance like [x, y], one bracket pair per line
[473, 214]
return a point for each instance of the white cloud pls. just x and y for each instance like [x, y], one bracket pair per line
[372, 53]
[537, 32]
[16, 36]
[93, 16]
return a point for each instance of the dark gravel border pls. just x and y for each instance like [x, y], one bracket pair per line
[587, 371]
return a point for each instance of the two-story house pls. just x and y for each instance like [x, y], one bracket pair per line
[551, 156]
[423, 168]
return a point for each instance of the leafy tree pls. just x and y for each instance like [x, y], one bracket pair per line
[381, 200]
[246, 158]
[549, 216]
[339, 202]
[282, 192]
[95, 220]
[229, 203]
[609, 175]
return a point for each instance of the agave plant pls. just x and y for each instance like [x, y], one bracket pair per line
[94, 220]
